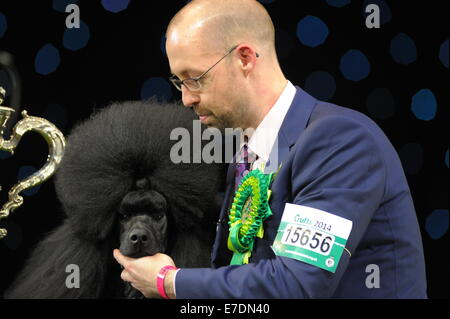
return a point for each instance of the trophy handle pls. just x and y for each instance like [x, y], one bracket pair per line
[56, 144]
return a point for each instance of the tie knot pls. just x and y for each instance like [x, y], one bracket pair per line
[244, 152]
[246, 155]
[243, 165]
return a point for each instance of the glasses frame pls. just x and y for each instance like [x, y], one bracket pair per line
[178, 83]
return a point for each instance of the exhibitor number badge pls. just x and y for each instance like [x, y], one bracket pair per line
[303, 237]
[312, 236]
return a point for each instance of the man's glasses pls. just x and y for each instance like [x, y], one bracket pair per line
[193, 84]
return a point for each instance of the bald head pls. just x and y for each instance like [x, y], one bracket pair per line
[241, 90]
[218, 25]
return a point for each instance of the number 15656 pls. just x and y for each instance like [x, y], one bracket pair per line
[309, 239]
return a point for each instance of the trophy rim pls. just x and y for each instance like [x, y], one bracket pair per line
[5, 108]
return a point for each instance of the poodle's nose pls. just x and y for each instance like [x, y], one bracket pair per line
[139, 236]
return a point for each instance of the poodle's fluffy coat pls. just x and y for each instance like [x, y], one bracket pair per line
[104, 157]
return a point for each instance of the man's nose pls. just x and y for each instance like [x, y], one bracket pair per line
[189, 98]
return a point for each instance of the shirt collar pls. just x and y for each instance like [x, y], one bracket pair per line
[263, 138]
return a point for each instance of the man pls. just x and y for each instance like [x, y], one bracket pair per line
[334, 167]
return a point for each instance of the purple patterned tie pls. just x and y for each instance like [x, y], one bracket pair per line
[243, 167]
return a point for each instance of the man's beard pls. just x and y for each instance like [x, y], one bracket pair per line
[231, 119]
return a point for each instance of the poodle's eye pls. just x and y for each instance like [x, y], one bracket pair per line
[124, 216]
[158, 216]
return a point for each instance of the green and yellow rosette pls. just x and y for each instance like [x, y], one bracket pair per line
[249, 210]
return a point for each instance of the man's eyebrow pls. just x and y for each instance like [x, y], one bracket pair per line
[188, 71]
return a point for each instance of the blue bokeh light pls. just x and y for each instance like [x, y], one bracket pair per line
[156, 87]
[338, 3]
[354, 65]
[385, 10]
[312, 31]
[47, 59]
[321, 85]
[3, 24]
[60, 5]
[437, 223]
[443, 53]
[76, 38]
[403, 49]
[424, 105]
[115, 5]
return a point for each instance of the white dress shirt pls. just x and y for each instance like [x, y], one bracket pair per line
[264, 138]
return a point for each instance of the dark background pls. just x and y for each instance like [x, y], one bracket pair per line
[122, 59]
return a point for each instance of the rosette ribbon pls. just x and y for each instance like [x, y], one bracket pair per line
[249, 210]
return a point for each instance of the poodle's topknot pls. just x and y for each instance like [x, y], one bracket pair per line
[120, 145]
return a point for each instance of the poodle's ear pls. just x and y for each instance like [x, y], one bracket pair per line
[100, 230]
[90, 196]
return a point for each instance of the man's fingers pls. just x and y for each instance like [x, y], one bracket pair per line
[121, 259]
[125, 275]
[124, 261]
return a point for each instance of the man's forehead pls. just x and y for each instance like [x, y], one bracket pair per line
[186, 56]
[182, 61]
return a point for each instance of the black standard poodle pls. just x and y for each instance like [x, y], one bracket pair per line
[119, 188]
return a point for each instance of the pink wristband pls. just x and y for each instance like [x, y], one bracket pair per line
[160, 280]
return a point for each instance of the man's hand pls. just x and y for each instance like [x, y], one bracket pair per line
[142, 272]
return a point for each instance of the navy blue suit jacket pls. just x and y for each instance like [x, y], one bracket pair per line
[339, 161]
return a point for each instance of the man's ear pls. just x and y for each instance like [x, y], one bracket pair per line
[247, 58]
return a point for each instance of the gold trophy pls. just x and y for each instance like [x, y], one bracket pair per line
[56, 144]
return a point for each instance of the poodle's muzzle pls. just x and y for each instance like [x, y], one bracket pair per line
[143, 235]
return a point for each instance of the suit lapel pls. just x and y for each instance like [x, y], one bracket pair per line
[293, 125]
